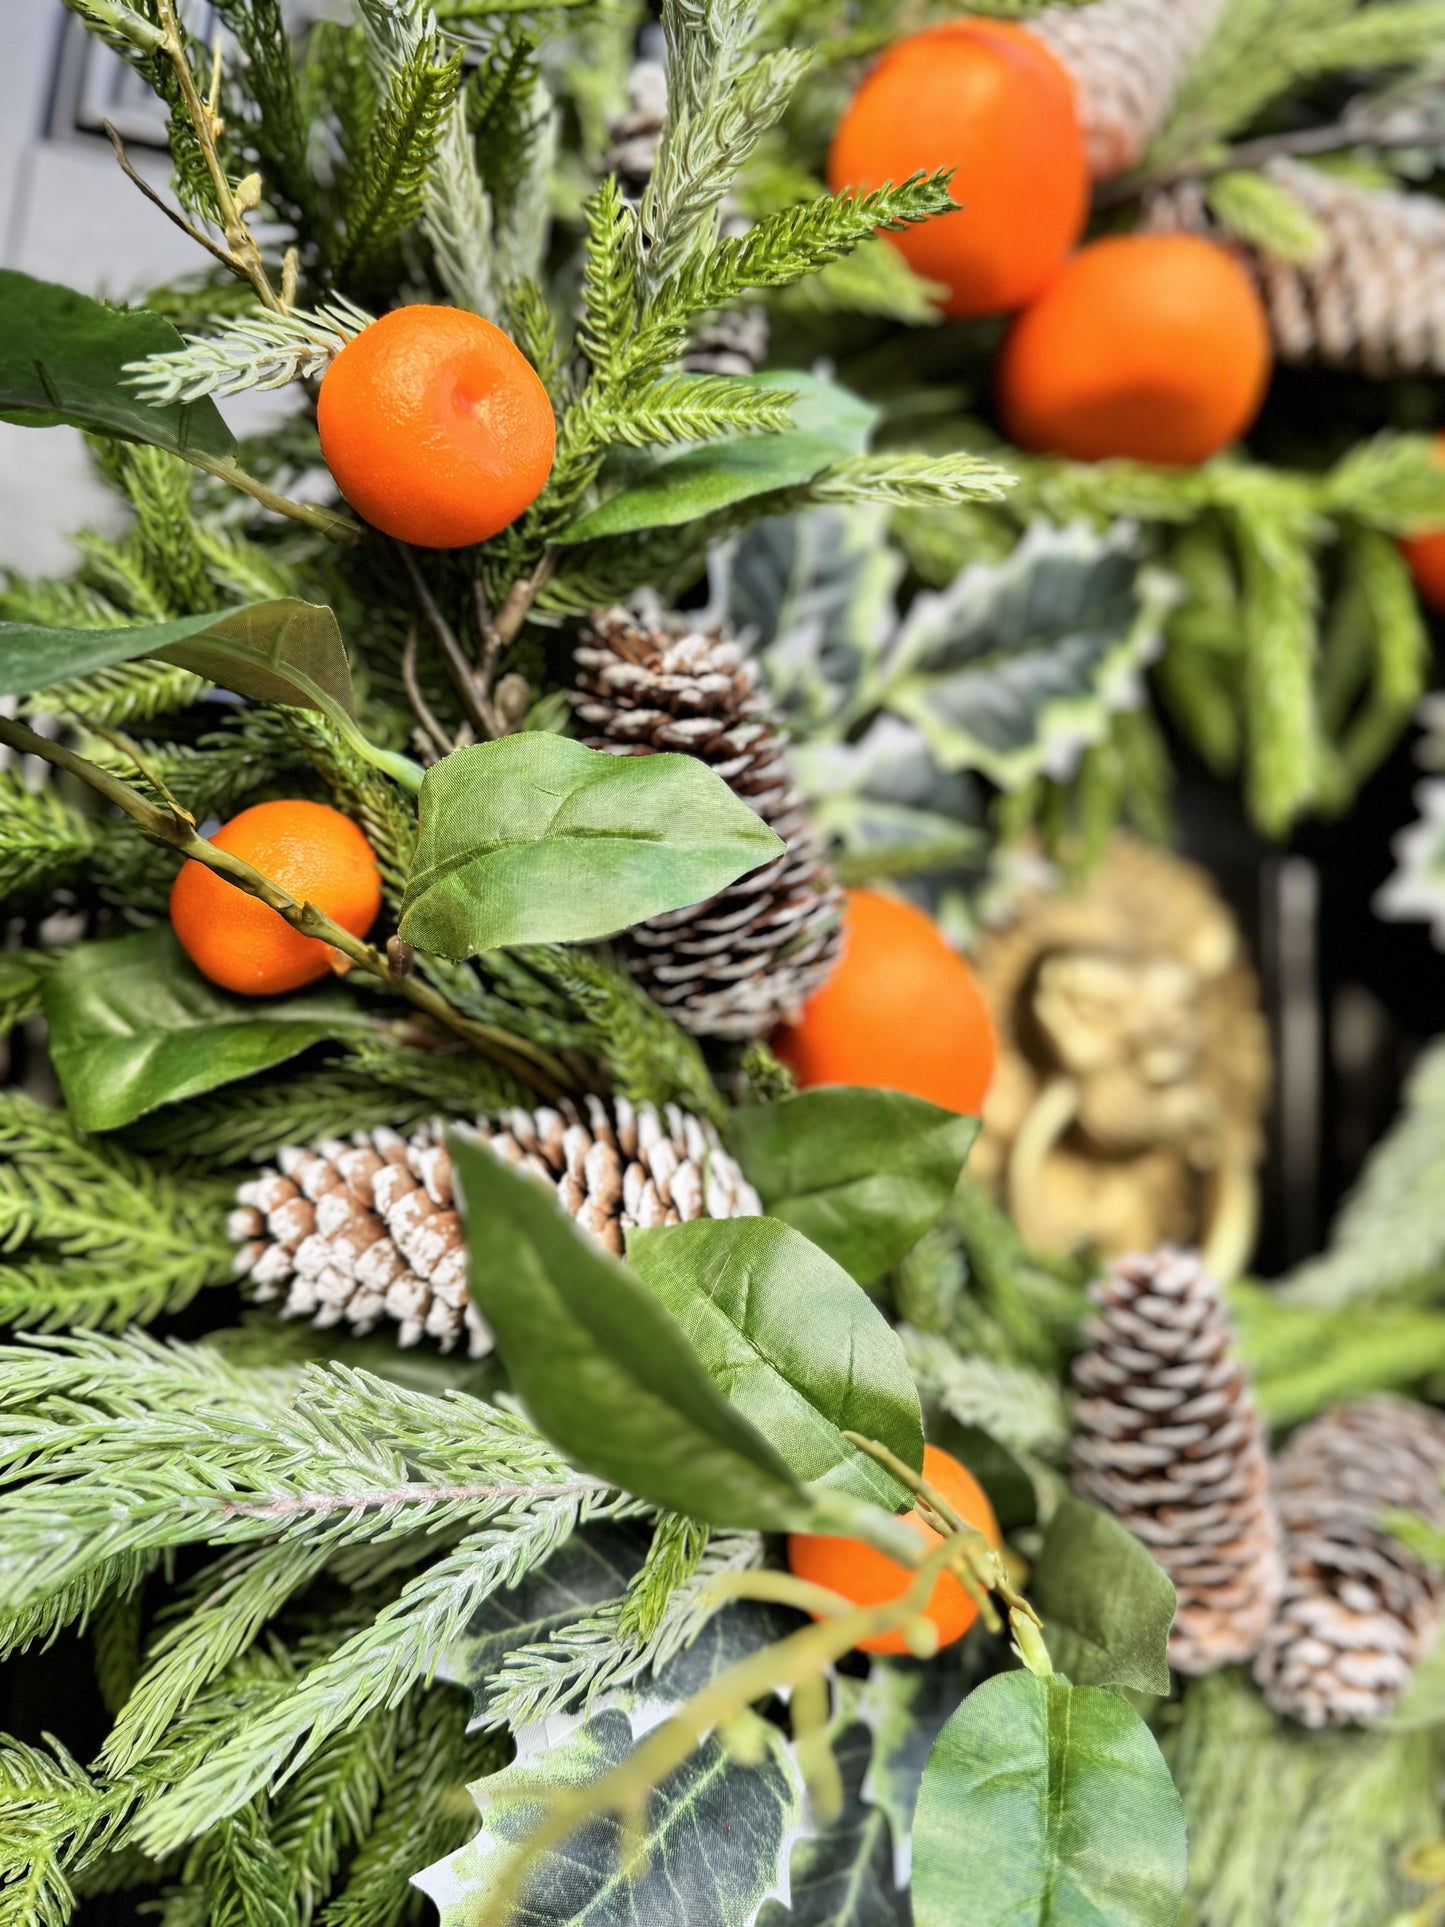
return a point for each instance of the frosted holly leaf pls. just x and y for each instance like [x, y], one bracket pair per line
[1017, 667]
[1415, 893]
[718, 1833]
[817, 592]
[885, 792]
[844, 1875]
[905, 1707]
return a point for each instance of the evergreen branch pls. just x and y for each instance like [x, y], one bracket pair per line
[392, 175]
[796, 241]
[1264, 214]
[328, 1809]
[1018, 1405]
[104, 1237]
[1281, 596]
[43, 841]
[609, 284]
[422, 1814]
[261, 350]
[22, 985]
[696, 408]
[375, 1668]
[911, 481]
[52, 1814]
[608, 1647]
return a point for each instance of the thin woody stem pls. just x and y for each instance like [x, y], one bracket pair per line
[478, 709]
[523, 1059]
[171, 214]
[245, 255]
[339, 528]
[1299, 142]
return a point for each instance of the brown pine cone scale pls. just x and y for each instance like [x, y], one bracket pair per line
[1126, 58]
[1373, 300]
[737, 964]
[1359, 1609]
[1169, 1441]
[365, 1231]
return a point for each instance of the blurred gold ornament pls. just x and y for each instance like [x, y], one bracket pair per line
[1133, 1064]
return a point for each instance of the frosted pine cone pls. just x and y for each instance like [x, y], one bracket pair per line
[1126, 58]
[1359, 1609]
[1170, 1443]
[737, 964]
[1373, 300]
[363, 1231]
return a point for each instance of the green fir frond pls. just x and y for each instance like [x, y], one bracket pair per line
[92, 1235]
[43, 841]
[259, 350]
[389, 188]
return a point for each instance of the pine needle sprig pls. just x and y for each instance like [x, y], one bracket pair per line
[424, 1812]
[93, 1235]
[261, 350]
[390, 182]
[52, 1815]
[43, 841]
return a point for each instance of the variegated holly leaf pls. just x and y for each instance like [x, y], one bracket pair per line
[905, 1705]
[844, 1875]
[717, 1838]
[1016, 667]
[817, 591]
[1415, 892]
[886, 804]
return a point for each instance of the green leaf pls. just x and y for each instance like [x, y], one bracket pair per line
[829, 423]
[1048, 1805]
[1016, 667]
[1106, 1605]
[603, 1369]
[716, 1836]
[862, 1173]
[63, 359]
[133, 1026]
[843, 1875]
[792, 1343]
[537, 839]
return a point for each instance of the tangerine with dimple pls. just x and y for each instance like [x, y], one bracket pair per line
[316, 855]
[902, 1012]
[436, 427]
[869, 1578]
[989, 101]
[1150, 346]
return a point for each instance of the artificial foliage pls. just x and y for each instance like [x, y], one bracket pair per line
[413, 1527]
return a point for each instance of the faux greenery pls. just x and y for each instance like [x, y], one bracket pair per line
[515, 1633]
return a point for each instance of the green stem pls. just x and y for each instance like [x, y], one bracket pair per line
[338, 528]
[517, 1055]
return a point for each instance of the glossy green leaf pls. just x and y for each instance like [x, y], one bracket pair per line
[793, 1344]
[1016, 667]
[133, 1025]
[830, 423]
[1047, 1805]
[1106, 1605]
[862, 1173]
[604, 1370]
[286, 651]
[63, 359]
[537, 839]
[715, 1840]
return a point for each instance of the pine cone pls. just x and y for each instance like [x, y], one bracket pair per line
[1127, 58]
[1358, 1609]
[364, 1231]
[735, 965]
[1373, 300]
[735, 341]
[1170, 1443]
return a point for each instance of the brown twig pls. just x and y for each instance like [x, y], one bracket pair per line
[1300, 143]
[420, 708]
[171, 214]
[517, 603]
[474, 703]
[517, 1055]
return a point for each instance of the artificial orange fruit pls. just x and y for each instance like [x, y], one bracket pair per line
[316, 854]
[991, 102]
[436, 427]
[1152, 346]
[902, 1012]
[1426, 557]
[869, 1577]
